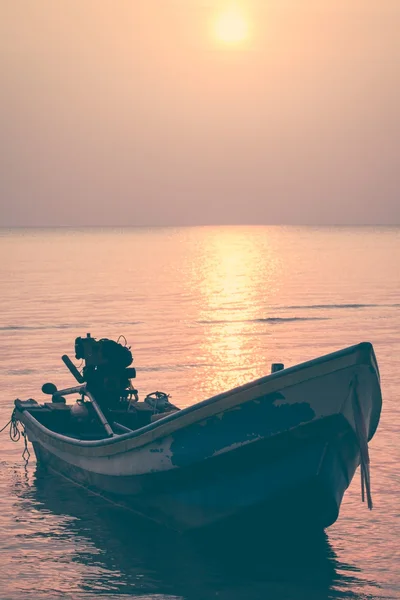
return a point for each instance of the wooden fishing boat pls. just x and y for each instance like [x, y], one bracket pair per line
[282, 449]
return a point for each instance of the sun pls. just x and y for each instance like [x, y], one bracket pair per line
[231, 26]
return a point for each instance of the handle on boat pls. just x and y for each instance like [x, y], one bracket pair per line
[100, 414]
[72, 368]
[77, 389]
[275, 367]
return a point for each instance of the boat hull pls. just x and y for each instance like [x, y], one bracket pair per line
[304, 486]
[282, 449]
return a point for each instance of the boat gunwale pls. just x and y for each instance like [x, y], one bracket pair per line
[363, 354]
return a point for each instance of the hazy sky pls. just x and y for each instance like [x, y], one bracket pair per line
[138, 112]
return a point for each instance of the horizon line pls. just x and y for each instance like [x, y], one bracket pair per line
[189, 226]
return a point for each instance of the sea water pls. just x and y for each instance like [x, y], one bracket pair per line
[204, 309]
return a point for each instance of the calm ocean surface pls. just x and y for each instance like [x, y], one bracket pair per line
[204, 309]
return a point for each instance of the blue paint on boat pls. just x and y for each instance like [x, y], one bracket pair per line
[255, 485]
[247, 422]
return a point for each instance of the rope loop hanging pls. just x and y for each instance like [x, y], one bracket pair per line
[362, 437]
[15, 434]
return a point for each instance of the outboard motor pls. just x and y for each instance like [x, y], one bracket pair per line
[106, 371]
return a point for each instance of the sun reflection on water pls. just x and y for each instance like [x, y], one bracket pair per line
[239, 272]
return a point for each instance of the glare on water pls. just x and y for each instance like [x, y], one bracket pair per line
[204, 309]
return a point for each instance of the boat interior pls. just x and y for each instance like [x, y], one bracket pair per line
[80, 420]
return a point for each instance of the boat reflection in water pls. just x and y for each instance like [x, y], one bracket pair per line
[111, 552]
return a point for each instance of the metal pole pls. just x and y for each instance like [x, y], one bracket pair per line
[78, 389]
[100, 414]
[72, 368]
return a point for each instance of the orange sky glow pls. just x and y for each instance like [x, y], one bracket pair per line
[153, 112]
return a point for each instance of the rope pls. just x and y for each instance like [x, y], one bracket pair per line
[362, 437]
[5, 426]
[26, 454]
[15, 434]
[156, 396]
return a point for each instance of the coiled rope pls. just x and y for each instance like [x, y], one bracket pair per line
[362, 437]
[15, 434]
